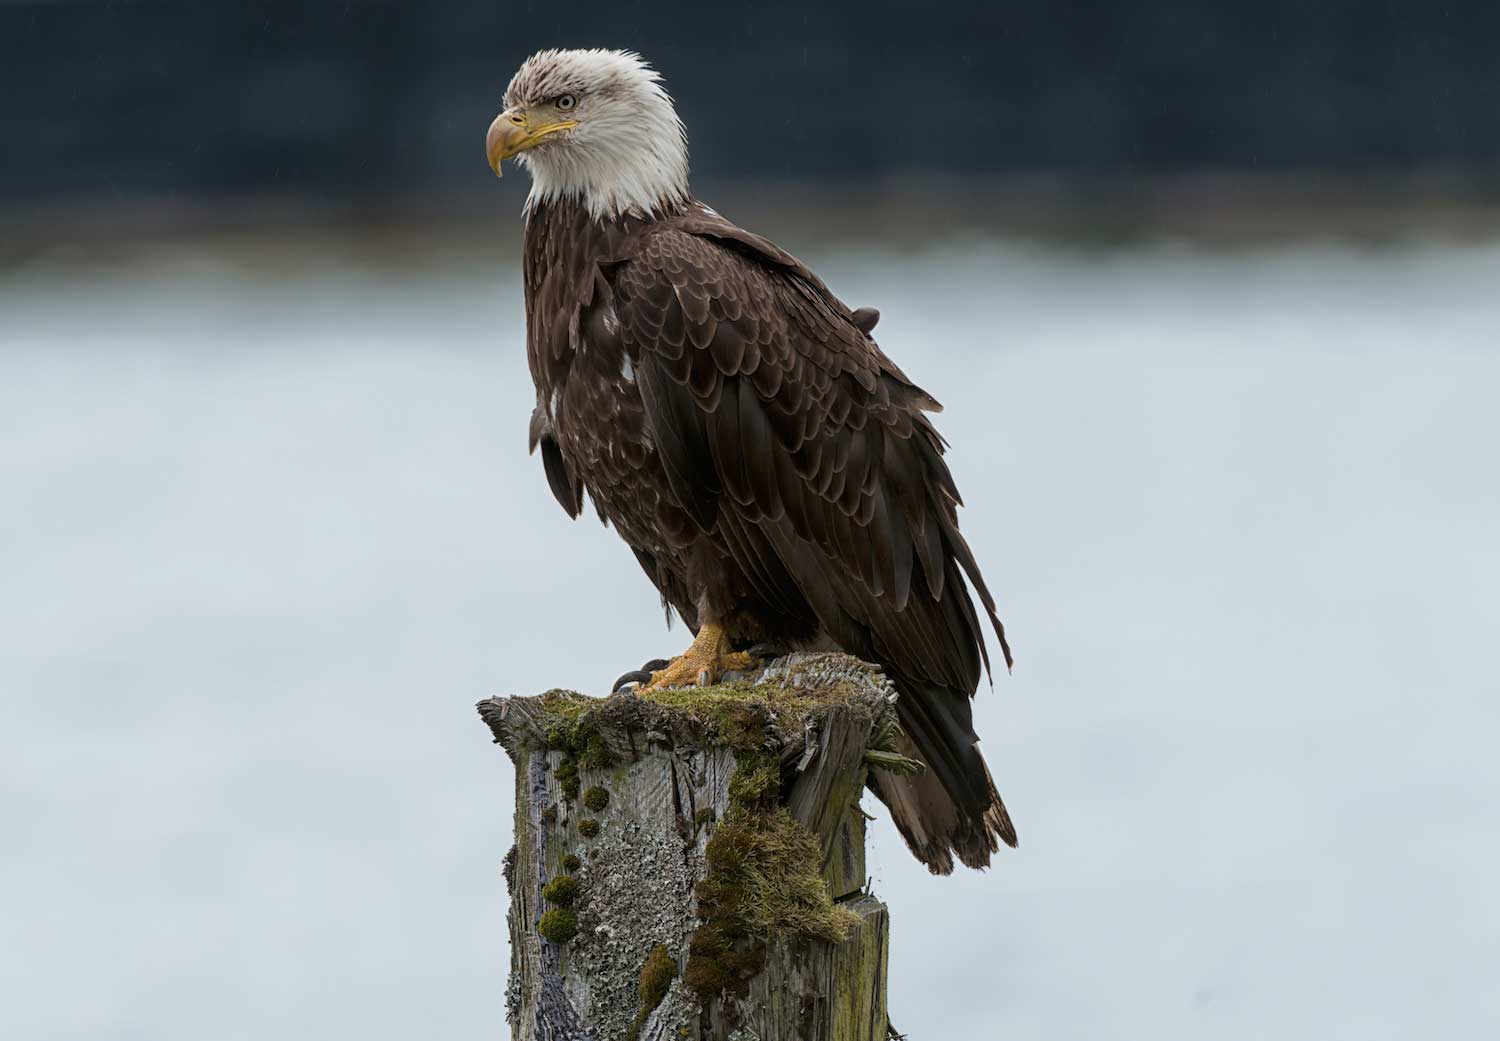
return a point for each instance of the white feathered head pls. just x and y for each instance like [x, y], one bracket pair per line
[596, 125]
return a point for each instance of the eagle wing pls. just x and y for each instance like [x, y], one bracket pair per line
[770, 406]
[768, 401]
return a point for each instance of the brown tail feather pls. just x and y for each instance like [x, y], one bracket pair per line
[952, 808]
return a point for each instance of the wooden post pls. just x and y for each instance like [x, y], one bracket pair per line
[689, 864]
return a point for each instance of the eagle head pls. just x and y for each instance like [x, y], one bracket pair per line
[596, 125]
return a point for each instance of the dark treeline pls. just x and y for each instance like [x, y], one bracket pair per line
[126, 100]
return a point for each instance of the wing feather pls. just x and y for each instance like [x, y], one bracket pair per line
[566, 488]
[782, 409]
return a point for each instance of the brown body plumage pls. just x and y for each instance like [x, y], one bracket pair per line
[772, 469]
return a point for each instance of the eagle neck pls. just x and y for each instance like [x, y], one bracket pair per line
[564, 239]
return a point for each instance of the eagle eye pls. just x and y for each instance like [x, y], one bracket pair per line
[565, 102]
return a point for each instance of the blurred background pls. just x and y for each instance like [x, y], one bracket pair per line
[1208, 291]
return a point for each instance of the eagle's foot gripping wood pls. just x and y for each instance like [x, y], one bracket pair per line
[705, 662]
[689, 862]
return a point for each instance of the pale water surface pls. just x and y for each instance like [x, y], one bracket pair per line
[266, 536]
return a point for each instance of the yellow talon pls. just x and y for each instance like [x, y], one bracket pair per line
[702, 664]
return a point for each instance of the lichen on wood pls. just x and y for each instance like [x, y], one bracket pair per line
[727, 844]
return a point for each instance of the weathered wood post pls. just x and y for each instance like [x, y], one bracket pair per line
[689, 864]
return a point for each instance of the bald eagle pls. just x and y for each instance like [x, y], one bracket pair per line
[774, 472]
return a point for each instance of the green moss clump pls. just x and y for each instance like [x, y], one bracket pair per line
[740, 713]
[656, 978]
[757, 782]
[588, 827]
[763, 880]
[567, 778]
[596, 798]
[594, 754]
[723, 959]
[764, 868]
[549, 815]
[566, 706]
[562, 891]
[572, 731]
[558, 925]
[570, 863]
[744, 727]
[704, 816]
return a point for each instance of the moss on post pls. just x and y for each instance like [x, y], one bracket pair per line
[656, 977]
[562, 891]
[715, 888]
[763, 883]
[558, 925]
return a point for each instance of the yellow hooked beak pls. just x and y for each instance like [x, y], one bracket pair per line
[512, 133]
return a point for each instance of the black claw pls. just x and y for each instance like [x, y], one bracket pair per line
[764, 652]
[639, 676]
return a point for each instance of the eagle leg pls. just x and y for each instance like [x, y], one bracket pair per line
[701, 664]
